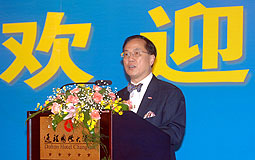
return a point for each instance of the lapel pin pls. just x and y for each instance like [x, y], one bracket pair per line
[149, 97]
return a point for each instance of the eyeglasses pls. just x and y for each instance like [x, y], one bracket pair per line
[136, 53]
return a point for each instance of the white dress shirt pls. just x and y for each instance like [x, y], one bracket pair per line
[136, 97]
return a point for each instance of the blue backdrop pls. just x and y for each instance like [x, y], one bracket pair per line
[220, 112]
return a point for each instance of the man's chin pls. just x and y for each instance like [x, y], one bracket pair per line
[131, 74]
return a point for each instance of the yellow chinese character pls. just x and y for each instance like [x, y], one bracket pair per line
[183, 52]
[23, 51]
[60, 56]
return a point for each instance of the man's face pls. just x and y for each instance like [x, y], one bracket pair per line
[137, 67]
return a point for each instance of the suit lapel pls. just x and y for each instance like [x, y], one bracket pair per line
[125, 94]
[146, 101]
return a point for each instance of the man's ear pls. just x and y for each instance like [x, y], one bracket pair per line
[152, 59]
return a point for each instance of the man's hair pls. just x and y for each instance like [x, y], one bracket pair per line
[149, 46]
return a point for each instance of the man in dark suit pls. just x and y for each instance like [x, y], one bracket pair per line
[159, 102]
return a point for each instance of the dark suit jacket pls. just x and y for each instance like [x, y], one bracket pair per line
[168, 104]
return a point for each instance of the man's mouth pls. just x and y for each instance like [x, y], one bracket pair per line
[131, 66]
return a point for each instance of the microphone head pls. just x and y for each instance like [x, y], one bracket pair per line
[103, 82]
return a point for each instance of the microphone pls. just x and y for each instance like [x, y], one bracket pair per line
[103, 82]
[97, 82]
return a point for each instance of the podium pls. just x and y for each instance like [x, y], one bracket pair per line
[128, 137]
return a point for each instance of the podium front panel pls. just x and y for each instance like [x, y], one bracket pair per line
[45, 144]
[135, 138]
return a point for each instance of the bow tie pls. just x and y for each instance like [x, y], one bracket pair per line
[132, 87]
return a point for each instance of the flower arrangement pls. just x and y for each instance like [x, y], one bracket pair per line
[81, 106]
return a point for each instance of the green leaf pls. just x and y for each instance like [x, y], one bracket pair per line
[86, 115]
[68, 93]
[49, 104]
[59, 101]
[124, 107]
[102, 91]
[34, 114]
[57, 119]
